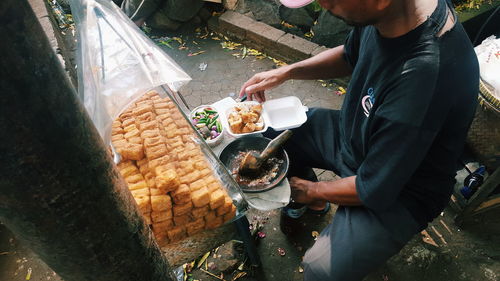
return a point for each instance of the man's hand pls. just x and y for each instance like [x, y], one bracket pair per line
[301, 190]
[256, 86]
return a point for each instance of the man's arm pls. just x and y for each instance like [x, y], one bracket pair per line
[326, 65]
[340, 192]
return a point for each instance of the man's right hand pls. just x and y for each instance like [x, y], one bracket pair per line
[256, 86]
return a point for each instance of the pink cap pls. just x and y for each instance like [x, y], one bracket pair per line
[296, 3]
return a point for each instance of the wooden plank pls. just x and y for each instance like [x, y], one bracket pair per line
[482, 194]
[489, 204]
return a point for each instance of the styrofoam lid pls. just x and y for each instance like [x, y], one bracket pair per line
[285, 113]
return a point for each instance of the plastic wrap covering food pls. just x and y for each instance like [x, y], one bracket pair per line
[176, 181]
[116, 62]
[129, 87]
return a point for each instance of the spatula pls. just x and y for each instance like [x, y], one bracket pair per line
[252, 162]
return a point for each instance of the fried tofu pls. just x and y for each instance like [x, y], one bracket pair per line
[163, 226]
[248, 128]
[140, 192]
[200, 197]
[181, 195]
[138, 185]
[182, 220]
[147, 218]
[211, 224]
[167, 180]
[135, 178]
[144, 204]
[159, 216]
[226, 207]
[177, 233]
[157, 151]
[132, 151]
[200, 212]
[182, 209]
[216, 199]
[161, 202]
[195, 226]
[197, 185]
[191, 177]
[229, 216]
[128, 171]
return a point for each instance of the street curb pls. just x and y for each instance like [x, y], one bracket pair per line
[265, 38]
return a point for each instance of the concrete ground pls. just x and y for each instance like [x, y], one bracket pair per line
[468, 253]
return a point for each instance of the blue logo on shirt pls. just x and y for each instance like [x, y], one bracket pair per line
[368, 101]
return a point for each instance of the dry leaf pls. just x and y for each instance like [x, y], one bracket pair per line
[178, 39]
[315, 235]
[28, 275]
[239, 275]
[195, 54]
[301, 269]
[205, 256]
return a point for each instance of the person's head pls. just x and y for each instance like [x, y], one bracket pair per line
[353, 12]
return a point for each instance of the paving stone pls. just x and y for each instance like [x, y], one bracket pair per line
[318, 50]
[213, 24]
[296, 47]
[235, 24]
[263, 35]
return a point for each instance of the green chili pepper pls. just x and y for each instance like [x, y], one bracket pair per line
[219, 127]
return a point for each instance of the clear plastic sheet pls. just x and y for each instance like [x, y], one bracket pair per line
[116, 62]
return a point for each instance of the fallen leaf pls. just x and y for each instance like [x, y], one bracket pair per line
[315, 235]
[178, 39]
[241, 266]
[195, 54]
[286, 24]
[239, 275]
[205, 256]
[28, 275]
[301, 269]
[244, 52]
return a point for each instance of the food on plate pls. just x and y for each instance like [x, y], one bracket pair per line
[245, 118]
[168, 175]
[206, 120]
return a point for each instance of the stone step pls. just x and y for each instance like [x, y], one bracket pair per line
[263, 37]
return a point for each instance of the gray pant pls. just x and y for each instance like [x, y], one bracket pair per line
[358, 240]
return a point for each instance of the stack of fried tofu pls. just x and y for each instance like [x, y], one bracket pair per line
[172, 182]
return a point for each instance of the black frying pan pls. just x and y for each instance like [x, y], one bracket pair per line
[245, 144]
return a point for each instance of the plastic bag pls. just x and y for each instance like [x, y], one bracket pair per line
[116, 62]
[488, 55]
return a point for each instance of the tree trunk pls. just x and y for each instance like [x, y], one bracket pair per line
[59, 190]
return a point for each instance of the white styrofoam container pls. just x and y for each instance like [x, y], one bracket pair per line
[279, 114]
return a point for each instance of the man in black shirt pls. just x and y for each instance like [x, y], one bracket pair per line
[397, 138]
